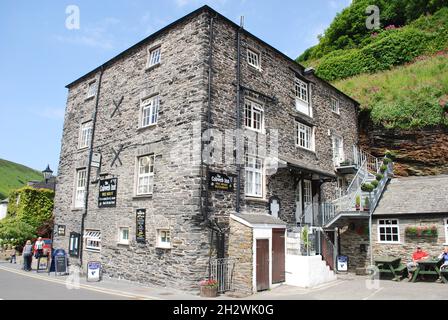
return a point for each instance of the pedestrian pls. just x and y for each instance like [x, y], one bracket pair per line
[39, 247]
[27, 255]
[417, 256]
[13, 255]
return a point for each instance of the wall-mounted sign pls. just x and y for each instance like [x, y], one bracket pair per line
[96, 160]
[61, 229]
[220, 181]
[140, 229]
[73, 246]
[274, 206]
[108, 193]
[93, 271]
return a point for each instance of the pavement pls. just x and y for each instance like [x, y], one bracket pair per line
[22, 285]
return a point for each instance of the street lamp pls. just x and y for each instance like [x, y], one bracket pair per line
[47, 173]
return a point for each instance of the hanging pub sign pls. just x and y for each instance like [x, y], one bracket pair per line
[220, 181]
[140, 229]
[108, 193]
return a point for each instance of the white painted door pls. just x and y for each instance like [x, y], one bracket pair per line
[338, 150]
[299, 210]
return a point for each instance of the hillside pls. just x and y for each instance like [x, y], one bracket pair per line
[14, 175]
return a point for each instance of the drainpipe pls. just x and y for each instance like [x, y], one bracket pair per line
[238, 117]
[89, 163]
[370, 232]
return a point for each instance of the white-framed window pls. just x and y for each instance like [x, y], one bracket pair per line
[93, 240]
[85, 134]
[91, 90]
[302, 97]
[163, 238]
[149, 111]
[145, 174]
[253, 116]
[80, 187]
[154, 57]
[334, 105]
[305, 136]
[254, 176]
[338, 149]
[388, 231]
[253, 59]
[123, 235]
[307, 192]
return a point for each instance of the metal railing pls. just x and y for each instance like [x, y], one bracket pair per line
[381, 185]
[328, 250]
[360, 157]
[222, 270]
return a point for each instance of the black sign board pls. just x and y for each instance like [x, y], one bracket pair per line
[141, 231]
[108, 193]
[220, 181]
[60, 262]
[73, 246]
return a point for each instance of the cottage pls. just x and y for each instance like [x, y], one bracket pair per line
[201, 149]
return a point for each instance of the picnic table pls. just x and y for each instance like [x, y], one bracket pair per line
[390, 265]
[429, 266]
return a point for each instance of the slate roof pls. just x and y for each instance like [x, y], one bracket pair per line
[260, 219]
[413, 195]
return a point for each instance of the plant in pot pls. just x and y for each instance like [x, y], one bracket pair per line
[367, 187]
[390, 154]
[386, 161]
[209, 288]
[379, 177]
[374, 183]
[358, 202]
[383, 168]
[366, 204]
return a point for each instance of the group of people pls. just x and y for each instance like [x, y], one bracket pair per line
[420, 255]
[27, 253]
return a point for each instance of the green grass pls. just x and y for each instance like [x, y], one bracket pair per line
[406, 97]
[14, 175]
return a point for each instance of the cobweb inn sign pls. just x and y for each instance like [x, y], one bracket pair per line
[220, 181]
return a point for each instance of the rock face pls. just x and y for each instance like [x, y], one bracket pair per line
[419, 152]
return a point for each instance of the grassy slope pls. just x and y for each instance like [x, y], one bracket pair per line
[408, 96]
[13, 176]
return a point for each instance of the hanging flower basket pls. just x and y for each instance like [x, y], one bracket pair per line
[209, 288]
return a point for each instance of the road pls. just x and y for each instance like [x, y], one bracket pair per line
[14, 285]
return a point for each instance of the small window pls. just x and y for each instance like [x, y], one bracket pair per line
[254, 176]
[145, 175]
[80, 188]
[305, 136]
[150, 111]
[253, 59]
[154, 57]
[334, 105]
[253, 116]
[91, 91]
[93, 240]
[123, 235]
[163, 239]
[85, 134]
[388, 231]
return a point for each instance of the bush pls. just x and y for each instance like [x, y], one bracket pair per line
[386, 161]
[375, 183]
[367, 187]
[383, 168]
[379, 177]
[390, 154]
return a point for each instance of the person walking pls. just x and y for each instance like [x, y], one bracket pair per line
[39, 247]
[27, 256]
[13, 255]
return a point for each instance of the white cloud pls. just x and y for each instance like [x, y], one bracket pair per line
[95, 35]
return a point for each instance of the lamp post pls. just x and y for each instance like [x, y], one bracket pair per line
[47, 173]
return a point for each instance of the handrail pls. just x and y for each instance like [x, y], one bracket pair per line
[360, 156]
[381, 185]
[328, 257]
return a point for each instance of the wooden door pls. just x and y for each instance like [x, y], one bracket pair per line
[262, 275]
[278, 255]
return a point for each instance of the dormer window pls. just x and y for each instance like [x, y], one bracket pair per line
[302, 97]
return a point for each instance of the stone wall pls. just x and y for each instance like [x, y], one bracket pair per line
[241, 250]
[354, 242]
[408, 245]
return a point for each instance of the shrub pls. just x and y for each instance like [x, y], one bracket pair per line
[375, 183]
[383, 168]
[391, 155]
[367, 187]
[358, 200]
[386, 161]
[379, 177]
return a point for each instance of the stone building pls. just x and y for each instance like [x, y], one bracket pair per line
[199, 142]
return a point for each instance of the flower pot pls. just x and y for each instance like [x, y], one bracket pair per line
[357, 207]
[209, 292]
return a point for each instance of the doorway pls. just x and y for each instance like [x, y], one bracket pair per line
[262, 269]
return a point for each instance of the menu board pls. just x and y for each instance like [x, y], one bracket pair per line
[60, 263]
[108, 193]
[141, 231]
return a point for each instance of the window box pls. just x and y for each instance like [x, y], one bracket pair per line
[421, 231]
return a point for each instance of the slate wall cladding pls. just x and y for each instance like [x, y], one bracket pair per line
[181, 81]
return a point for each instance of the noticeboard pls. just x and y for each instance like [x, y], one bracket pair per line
[93, 271]
[108, 193]
[220, 181]
[141, 228]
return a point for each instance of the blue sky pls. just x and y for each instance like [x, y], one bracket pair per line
[39, 55]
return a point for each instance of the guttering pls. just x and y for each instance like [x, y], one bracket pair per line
[238, 120]
[89, 164]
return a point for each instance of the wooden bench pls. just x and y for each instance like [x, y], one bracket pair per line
[398, 273]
